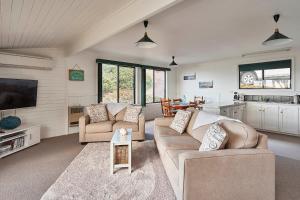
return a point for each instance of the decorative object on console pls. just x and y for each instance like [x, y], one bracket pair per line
[97, 113]
[76, 74]
[277, 38]
[132, 113]
[215, 138]
[181, 121]
[10, 122]
[123, 131]
[206, 84]
[146, 42]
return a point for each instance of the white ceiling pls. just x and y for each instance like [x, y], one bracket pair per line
[203, 30]
[50, 23]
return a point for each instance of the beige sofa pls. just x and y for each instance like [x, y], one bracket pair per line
[228, 174]
[103, 131]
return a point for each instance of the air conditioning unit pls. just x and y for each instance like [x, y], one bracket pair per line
[25, 61]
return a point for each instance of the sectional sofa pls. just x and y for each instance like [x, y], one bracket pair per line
[244, 170]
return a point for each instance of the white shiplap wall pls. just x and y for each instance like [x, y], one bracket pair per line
[51, 110]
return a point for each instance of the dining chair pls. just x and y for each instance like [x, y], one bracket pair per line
[177, 101]
[166, 107]
[199, 100]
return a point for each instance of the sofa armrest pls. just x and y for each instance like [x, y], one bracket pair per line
[262, 142]
[165, 121]
[227, 174]
[142, 123]
[83, 121]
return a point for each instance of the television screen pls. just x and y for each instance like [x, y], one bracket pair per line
[17, 93]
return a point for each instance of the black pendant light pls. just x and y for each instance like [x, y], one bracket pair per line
[145, 42]
[277, 38]
[173, 63]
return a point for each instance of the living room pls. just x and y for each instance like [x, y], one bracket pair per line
[144, 64]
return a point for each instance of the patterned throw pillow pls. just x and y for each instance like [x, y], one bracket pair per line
[215, 138]
[132, 113]
[97, 113]
[181, 121]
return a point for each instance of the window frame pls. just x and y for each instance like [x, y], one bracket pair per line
[165, 85]
[263, 75]
[100, 78]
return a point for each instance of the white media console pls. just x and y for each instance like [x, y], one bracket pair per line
[19, 138]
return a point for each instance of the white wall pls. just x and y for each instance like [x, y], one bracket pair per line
[51, 108]
[224, 73]
[83, 92]
[55, 91]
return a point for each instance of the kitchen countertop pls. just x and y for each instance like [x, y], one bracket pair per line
[218, 105]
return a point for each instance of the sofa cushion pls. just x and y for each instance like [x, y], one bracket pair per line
[126, 125]
[199, 133]
[189, 128]
[241, 135]
[174, 155]
[179, 142]
[181, 121]
[163, 131]
[99, 127]
[132, 113]
[215, 138]
[111, 117]
[97, 113]
[120, 115]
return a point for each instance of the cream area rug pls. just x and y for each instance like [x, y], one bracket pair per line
[88, 177]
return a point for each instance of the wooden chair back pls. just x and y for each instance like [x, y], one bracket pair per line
[199, 100]
[179, 100]
[166, 107]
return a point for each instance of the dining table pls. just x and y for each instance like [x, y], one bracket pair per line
[181, 105]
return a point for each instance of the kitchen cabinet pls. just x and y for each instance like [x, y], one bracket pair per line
[289, 119]
[234, 111]
[273, 117]
[253, 114]
[269, 117]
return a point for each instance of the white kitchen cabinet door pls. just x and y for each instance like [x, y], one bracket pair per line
[289, 119]
[225, 112]
[253, 114]
[238, 113]
[270, 117]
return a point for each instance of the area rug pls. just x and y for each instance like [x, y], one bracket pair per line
[88, 177]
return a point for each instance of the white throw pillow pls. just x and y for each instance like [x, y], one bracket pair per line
[132, 113]
[97, 113]
[215, 138]
[181, 121]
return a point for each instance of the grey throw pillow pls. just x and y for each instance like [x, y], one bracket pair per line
[132, 113]
[97, 113]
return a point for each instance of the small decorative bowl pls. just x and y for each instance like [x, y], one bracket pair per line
[123, 132]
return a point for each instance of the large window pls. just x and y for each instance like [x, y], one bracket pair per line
[155, 85]
[267, 75]
[118, 84]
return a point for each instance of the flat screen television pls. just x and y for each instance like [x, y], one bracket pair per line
[17, 93]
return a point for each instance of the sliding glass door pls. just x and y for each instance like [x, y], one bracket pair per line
[126, 85]
[118, 84]
[155, 85]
